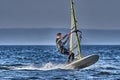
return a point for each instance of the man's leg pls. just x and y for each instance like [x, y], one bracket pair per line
[70, 55]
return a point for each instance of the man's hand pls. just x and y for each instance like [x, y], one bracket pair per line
[69, 33]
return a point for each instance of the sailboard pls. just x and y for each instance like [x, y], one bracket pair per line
[75, 45]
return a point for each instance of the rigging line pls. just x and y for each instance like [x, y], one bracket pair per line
[72, 28]
[74, 48]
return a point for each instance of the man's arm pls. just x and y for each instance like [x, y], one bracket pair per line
[65, 36]
[66, 40]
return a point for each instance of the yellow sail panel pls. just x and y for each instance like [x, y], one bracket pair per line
[74, 38]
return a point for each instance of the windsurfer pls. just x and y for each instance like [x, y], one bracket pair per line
[61, 41]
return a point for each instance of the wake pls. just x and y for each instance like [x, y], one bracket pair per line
[51, 66]
[47, 66]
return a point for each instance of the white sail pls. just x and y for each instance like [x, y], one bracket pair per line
[75, 36]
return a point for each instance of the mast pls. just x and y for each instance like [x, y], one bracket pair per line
[75, 27]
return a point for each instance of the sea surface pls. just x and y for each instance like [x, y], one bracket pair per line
[45, 63]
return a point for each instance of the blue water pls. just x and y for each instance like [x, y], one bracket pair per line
[45, 63]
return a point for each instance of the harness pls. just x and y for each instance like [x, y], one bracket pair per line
[60, 46]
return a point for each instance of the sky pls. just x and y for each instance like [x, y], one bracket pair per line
[91, 14]
[19, 17]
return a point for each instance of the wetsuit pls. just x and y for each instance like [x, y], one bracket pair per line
[60, 44]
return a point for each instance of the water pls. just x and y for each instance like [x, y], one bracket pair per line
[45, 63]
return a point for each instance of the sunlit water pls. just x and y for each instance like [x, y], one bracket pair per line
[45, 63]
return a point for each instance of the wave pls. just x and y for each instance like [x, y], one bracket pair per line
[47, 66]
[51, 66]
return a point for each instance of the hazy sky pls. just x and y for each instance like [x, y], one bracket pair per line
[95, 18]
[91, 14]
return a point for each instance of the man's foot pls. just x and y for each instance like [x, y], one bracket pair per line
[68, 61]
[72, 55]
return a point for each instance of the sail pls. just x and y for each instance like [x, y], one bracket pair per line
[75, 36]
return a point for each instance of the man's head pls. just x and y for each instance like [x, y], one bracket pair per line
[59, 35]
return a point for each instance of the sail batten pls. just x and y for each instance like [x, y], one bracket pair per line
[74, 38]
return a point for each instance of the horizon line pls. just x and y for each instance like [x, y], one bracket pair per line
[55, 45]
[60, 28]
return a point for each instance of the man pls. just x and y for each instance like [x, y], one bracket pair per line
[61, 41]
